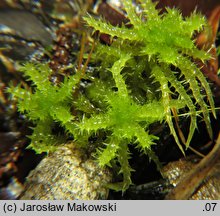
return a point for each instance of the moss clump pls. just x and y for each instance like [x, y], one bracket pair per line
[159, 42]
[45, 105]
[122, 100]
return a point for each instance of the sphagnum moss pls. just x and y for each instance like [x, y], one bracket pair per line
[122, 101]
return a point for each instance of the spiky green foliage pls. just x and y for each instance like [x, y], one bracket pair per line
[163, 41]
[122, 100]
[127, 122]
[45, 105]
[123, 120]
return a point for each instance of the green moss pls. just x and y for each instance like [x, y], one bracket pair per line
[126, 121]
[159, 42]
[45, 105]
[148, 71]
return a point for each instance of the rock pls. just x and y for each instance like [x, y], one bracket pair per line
[67, 174]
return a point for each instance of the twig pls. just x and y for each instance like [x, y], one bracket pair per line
[196, 176]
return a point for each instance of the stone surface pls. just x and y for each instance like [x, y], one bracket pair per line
[67, 174]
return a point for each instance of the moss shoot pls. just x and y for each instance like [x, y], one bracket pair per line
[148, 71]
